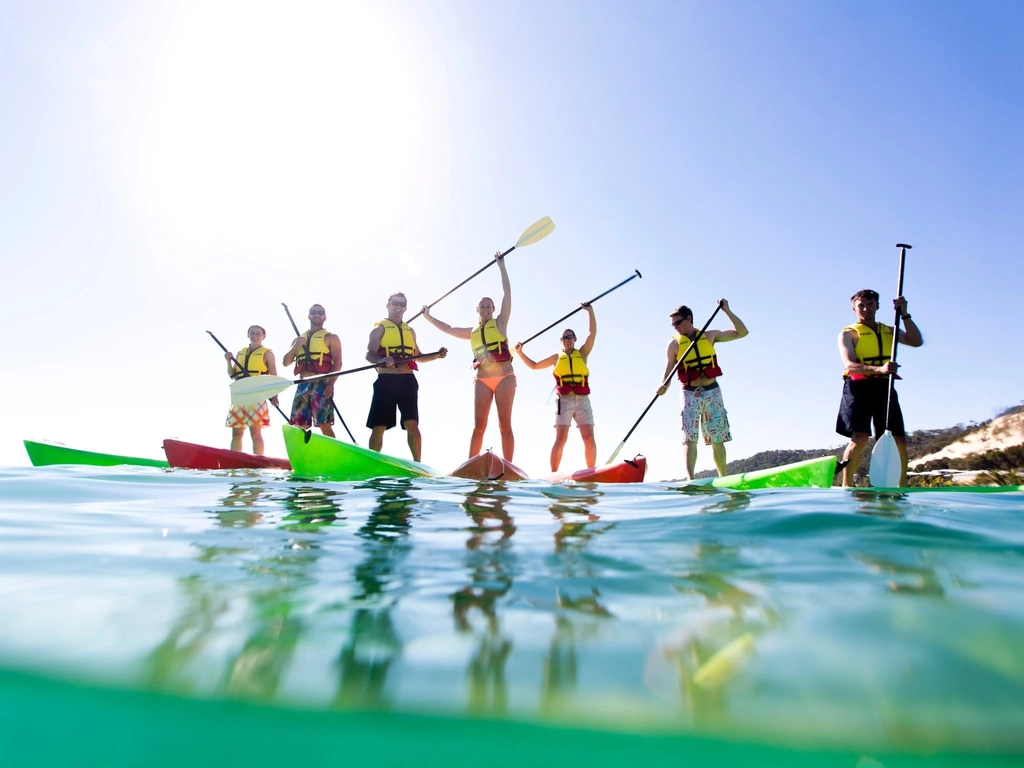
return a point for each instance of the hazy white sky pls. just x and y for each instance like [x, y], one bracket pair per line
[172, 168]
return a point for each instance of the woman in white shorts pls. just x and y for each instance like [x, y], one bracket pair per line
[572, 381]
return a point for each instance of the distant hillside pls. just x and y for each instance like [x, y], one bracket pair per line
[996, 444]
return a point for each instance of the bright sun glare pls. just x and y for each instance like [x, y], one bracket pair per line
[280, 127]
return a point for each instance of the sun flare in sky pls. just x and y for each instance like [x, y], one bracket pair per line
[276, 131]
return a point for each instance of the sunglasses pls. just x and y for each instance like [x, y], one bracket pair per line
[676, 323]
[568, 338]
[397, 303]
[317, 312]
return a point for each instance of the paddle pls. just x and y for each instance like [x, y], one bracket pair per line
[245, 374]
[252, 390]
[665, 383]
[308, 357]
[886, 469]
[534, 233]
[631, 277]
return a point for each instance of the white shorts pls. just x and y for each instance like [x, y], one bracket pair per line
[571, 407]
[704, 411]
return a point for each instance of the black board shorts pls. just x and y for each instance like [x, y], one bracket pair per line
[864, 403]
[390, 391]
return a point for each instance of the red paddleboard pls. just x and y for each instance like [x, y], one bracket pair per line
[488, 466]
[628, 471]
[191, 456]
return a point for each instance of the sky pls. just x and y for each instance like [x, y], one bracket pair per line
[173, 168]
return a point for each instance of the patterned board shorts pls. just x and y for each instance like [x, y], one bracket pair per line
[704, 411]
[574, 406]
[310, 407]
[241, 416]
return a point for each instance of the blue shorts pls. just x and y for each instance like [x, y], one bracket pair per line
[391, 391]
[311, 407]
[864, 403]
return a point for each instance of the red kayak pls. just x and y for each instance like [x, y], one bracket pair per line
[628, 471]
[488, 466]
[191, 456]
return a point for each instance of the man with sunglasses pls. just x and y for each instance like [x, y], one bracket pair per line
[391, 341]
[315, 352]
[865, 348]
[572, 381]
[691, 354]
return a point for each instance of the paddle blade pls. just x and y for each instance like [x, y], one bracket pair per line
[886, 464]
[256, 389]
[538, 231]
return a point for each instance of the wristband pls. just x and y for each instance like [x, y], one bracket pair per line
[906, 316]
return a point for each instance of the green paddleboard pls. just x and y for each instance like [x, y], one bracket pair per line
[322, 457]
[46, 454]
[813, 473]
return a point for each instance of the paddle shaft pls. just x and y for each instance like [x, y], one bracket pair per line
[895, 332]
[453, 290]
[665, 383]
[636, 274]
[305, 348]
[244, 370]
[321, 376]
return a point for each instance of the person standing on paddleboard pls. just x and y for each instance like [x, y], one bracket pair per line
[492, 361]
[391, 340]
[255, 360]
[691, 354]
[866, 348]
[572, 382]
[315, 352]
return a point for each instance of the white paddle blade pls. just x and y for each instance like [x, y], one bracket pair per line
[538, 231]
[886, 464]
[256, 389]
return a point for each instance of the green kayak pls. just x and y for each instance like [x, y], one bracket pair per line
[45, 454]
[330, 459]
[813, 473]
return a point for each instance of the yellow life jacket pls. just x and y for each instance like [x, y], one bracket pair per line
[871, 348]
[571, 374]
[251, 362]
[397, 342]
[701, 360]
[488, 340]
[318, 359]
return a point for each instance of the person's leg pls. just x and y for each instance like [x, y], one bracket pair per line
[412, 435]
[561, 433]
[690, 452]
[377, 438]
[901, 445]
[482, 397]
[718, 449]
[858, 441]
[327, 429]
[237, 433]
[257, 440]
[589, 444]
[691, 430]
[503, 397]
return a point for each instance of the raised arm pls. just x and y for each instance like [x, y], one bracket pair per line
[459, 333]
[506, 295]
[589, 343]
[739, 330]
[547, 362]
[911, 336]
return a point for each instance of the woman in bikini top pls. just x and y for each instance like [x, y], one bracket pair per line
[495, 380]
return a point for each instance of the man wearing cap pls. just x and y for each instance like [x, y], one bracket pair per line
[865, 348]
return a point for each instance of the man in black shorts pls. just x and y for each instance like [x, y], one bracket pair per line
[866, 349]
[391, 341]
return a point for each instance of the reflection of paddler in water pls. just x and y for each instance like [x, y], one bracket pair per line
[373, 643]
[237, 508]
[714, 645]
[491, 579]
[492, 361]
[311, 508]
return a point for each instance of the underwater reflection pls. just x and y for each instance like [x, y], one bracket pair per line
[888, 504]
[905, 579]
[373, 644]
[268, 594]
[490, 562]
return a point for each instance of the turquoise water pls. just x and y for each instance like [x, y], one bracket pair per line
[874, 627]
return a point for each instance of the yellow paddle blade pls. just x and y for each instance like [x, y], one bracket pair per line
[886, 464]
[256, 389]
[724, 665]
[538, 231]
